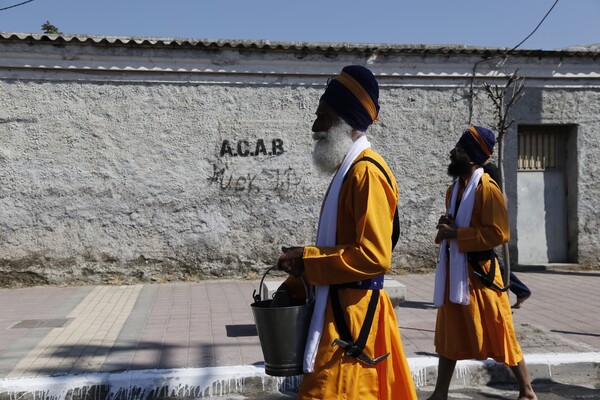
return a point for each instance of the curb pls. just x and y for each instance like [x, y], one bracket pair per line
[215, 382]
[568, 368]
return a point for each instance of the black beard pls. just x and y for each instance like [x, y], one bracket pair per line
[460, 167]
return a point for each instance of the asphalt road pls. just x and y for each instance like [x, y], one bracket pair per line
[544, 390]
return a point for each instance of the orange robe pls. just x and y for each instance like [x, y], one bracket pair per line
[484, 328]
[364, 228]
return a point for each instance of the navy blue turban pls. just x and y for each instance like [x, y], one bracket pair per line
[478, 143]
[354, 96]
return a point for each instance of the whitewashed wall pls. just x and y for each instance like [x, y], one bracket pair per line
[142, 162]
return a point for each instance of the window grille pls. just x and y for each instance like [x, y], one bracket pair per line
[539, 151]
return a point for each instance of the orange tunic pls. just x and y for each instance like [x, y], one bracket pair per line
[484, 328]
[364, 228]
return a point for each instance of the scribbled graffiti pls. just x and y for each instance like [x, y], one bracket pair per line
[285, 180]
[267, 179]
[277, 180]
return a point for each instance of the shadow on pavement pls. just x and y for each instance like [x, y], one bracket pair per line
[416, 304]
[79, 359]
[542, 270]
[576, 333]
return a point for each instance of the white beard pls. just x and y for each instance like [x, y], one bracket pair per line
[331, 147]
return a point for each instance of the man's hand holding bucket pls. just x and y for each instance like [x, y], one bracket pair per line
[291, 261]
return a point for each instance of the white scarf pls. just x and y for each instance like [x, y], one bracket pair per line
[459, 279]
[326, 236]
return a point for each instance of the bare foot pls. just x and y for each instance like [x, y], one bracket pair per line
[520, 301]
[528, 396]
[436, 396]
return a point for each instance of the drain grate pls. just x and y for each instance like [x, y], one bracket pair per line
[42, 323]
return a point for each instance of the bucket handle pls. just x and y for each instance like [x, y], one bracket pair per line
[258, 296]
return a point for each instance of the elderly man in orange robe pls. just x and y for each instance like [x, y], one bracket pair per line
[474, 319]
[354, 350]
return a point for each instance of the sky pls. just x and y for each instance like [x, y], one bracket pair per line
[489, 23]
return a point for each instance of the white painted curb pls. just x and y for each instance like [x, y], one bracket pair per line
[219, 381]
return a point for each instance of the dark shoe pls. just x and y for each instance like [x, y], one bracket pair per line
[520, 301]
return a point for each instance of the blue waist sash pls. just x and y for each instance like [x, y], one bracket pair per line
[367, 284]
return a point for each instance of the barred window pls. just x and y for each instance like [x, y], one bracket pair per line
[539, 150]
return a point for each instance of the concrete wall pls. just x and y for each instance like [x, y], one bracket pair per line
[576, 105]
[124, 162]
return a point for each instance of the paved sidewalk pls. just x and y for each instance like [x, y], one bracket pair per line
[199, 338]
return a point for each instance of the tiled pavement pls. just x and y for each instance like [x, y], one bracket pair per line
[195, 328]
[562, 315]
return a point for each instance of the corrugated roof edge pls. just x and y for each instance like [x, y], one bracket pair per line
[592, 50]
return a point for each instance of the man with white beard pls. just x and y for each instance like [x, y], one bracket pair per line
[353, 350]
[331, 147]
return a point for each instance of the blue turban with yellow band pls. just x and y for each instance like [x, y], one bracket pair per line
[478, 143]
[354, 96]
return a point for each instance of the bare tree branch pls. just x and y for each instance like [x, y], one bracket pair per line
[504, 99]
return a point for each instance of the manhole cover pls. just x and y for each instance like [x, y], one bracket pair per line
[42, 323]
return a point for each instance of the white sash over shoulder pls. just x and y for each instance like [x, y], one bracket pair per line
[459, 279]
[326, 236]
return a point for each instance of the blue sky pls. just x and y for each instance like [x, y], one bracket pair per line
[492, 23]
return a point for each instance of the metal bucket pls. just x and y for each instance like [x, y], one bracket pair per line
[282, 332]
